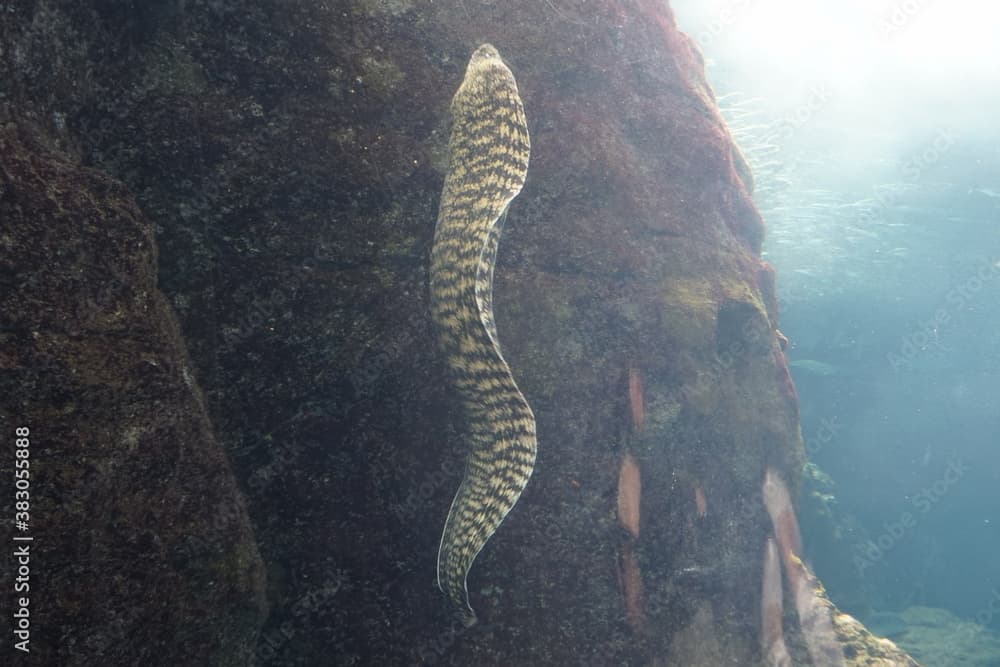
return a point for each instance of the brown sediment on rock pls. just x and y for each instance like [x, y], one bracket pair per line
[629, 495]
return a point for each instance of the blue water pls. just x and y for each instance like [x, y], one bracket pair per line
[880, 186]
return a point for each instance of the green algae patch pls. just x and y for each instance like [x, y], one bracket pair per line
[689, 310]
[939, 637]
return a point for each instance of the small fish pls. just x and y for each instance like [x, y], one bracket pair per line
[635, 398]
[629, 495]
[700, 504]
[771, 607]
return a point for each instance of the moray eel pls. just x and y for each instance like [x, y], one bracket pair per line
[487, 163]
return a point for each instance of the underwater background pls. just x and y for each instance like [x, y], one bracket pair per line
[880, 186]
[747, 291]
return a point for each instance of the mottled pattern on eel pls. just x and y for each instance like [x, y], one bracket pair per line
[488, 160]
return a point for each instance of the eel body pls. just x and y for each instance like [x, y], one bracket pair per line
[487, 164]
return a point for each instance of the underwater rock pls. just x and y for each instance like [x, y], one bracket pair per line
[862, 648]
[885, 623]
[142, 550]
[938, 637]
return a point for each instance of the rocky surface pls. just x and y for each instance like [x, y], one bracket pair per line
[939, 637]
[140, 536]
[289, 157]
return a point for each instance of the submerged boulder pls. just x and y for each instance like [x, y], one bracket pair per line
[140, 546]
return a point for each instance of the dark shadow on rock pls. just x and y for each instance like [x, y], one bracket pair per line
[142, 548]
